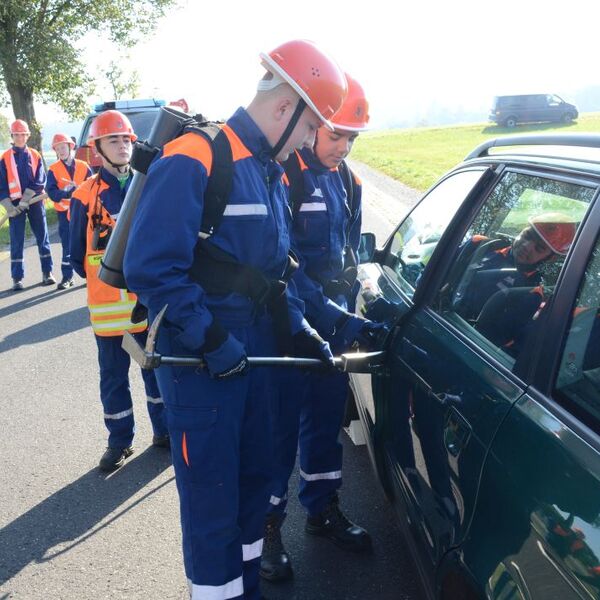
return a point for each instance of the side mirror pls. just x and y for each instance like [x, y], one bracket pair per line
[366, 249]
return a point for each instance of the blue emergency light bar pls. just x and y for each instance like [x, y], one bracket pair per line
[121, 104]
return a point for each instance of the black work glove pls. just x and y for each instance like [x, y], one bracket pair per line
[225, 356]
[309, 344]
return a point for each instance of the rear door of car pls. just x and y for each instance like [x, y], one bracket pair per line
[448, 387]
[536, 529]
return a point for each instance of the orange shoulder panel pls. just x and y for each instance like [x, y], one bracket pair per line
[82, 193]
[357, 179]
[238, 150]
[192, 145]
[285, 179]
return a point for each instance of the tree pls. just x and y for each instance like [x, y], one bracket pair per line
[38, 59]
[122, 83]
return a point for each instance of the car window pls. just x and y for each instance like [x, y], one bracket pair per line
[578, 379]
[504, 268]
[415, 239]
[140, 121]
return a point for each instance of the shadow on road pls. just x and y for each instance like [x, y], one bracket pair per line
[24, 303]
[43, 331]
[72, 513]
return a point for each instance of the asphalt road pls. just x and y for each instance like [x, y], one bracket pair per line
[67, 531]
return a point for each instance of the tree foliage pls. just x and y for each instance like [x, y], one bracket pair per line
[38, 57]
[124, 83]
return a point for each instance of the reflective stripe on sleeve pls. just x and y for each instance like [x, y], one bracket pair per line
[313, 207]
[240, 210]
[232, 589]
[317, 476]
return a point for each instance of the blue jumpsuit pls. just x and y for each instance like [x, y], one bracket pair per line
[220, 429]
[309, 408]
[114, 362]
[36, 214]
[56, 194]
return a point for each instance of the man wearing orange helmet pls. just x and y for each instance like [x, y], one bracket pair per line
[309, 407]
[22, 176]
[64, 176]
[208, 275]
[547, 237]
[94, 209]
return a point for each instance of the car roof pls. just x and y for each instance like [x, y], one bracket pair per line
[574, 152]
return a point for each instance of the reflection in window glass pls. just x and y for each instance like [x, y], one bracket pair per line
[510, 258]
[579, 374]
[415, 240]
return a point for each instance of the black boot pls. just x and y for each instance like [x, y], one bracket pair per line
[275, 563]
[333, 524]
[114, 458]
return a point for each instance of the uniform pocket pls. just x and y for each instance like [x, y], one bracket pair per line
[193, 432]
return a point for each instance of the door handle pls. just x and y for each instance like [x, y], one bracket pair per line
[457, 432]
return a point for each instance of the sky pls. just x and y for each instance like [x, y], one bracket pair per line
[412, 58]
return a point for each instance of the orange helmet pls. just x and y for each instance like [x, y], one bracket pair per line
[19, 126]
[354, 114]
[312, 74]
[556, 229]
[110, 122]
[62, 138]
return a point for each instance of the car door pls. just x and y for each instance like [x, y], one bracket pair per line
[412, 239]
[449, 384]
[536, 530]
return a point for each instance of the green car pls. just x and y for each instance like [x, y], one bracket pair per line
[484, 425]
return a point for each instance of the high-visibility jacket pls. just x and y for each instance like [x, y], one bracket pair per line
[27, 157]
[60, 176]
[110, 308]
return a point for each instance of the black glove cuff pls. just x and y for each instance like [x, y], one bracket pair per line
[214, 337]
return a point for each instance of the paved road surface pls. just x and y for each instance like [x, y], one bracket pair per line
[69, 532]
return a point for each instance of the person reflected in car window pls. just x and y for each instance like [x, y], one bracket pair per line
[498, 265]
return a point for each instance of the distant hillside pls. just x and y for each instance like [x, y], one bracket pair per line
[418, 157]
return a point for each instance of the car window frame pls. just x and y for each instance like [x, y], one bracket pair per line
[488, 174]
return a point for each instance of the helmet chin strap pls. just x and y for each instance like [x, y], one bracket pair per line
[290, 127]
[121, 168]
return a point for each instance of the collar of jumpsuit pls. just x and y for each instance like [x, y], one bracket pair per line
[312, 162]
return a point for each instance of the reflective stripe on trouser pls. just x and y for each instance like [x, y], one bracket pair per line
[115, 392]
[222, 456]
[37, 220]
[309, 415]
[63, 232]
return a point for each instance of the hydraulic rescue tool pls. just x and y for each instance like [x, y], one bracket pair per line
[29, 202]
[148, 358]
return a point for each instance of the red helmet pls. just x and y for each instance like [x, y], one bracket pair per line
[354, 114]
[62, 138]
[19, 126]
[312, 74]
[556, 229]
[110, 122]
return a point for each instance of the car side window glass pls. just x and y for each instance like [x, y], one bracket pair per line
[415, 239]
[508, 262]
[578, 378]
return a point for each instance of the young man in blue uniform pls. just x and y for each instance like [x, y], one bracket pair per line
[309, 408]
[22, 177]
[95, 206]
[219, 421]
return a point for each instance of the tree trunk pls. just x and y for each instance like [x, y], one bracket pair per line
[22, 102]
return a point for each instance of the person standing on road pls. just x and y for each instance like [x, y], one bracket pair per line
[308, 410]
[66, 174]
[95, 206]
[22, 177]
[219, 421]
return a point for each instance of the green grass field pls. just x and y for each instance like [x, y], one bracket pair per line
[418, 157]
